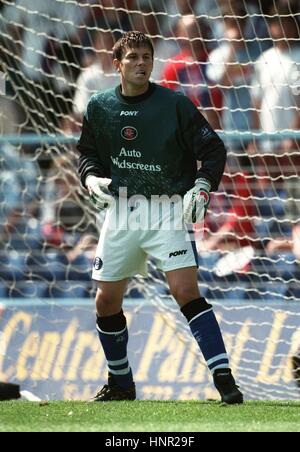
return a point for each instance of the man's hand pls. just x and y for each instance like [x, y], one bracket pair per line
[196, 201]
[99, 192]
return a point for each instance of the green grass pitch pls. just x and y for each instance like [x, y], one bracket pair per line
[150, 416]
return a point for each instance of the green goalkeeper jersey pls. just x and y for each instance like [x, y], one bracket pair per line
[148, 144]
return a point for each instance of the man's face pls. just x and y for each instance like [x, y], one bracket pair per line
[234, 30]
[136, 65]
[283, 29]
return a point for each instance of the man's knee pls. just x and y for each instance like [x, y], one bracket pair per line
[102, 296]
[184, 293]
[109, 297]
[108, 303]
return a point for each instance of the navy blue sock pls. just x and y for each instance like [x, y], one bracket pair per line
[113, 335]
[206, 331]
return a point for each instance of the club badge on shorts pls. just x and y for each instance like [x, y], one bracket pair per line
[98, 263]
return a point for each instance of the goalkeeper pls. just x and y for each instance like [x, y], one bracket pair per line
[146, 140]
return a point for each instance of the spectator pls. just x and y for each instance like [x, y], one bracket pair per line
[276, 83]
[276, 101]
[257, 29]
[63, 216]
[178, 8]
[10, 112]
[44, 83]
[230, 67]
[292, 215]
[98, 76]
[10, 119]
[229, 223]
[11, 116]
[18, 190]
[186, 71]
[86, 245]
[110, 15]
[147, 21]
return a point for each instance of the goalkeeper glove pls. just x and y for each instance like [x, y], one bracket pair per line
[196, 201]
[99, 192]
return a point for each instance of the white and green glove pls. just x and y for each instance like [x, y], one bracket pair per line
[196, 201]
[99, 192]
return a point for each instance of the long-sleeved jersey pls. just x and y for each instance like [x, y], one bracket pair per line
[149, 144]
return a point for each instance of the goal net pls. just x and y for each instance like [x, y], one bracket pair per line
[239, 62]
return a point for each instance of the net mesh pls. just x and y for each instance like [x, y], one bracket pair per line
[239, 62]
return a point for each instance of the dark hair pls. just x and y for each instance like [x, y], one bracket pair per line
[130, 40]
[235, 14]
[280, 12]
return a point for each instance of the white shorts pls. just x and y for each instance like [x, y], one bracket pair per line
[123, 251]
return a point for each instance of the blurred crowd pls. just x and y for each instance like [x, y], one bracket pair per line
[238, 61]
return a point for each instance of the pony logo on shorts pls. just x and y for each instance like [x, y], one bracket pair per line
[129, 133]
[178, 253]
[98, 263]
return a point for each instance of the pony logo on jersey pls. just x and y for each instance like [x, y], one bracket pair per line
[129, 113]
[129, 133]
[98, 263]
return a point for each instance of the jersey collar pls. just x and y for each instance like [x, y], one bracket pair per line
[135, 99]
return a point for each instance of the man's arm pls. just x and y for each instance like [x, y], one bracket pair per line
[89, 163]
[82, 95]
[92, 173]
[223, 68]
[206, 145]
[209, 149]
[212, 155]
